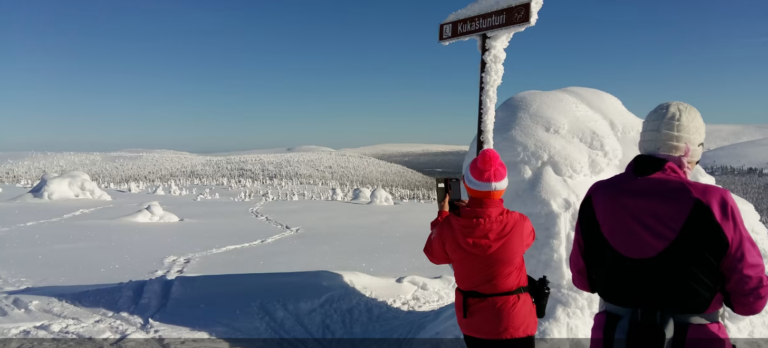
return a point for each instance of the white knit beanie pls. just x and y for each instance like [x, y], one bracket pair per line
[669, 127]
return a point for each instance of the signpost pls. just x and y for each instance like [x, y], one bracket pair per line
[482, 25]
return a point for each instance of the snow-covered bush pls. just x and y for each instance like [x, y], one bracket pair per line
[159, 191]
[361, 195]
[337, 195]
[71, 185]
[152, 212]
[381, 197]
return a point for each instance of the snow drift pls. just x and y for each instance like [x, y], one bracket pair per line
[556, 145]
[71, 185]
[381, 197]
[299, 305]
[152, 212]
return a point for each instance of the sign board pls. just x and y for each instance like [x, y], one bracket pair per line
[499, 19]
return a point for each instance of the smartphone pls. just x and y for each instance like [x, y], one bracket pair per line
[451, 187]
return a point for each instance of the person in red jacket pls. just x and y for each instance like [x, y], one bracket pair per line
[485, 244]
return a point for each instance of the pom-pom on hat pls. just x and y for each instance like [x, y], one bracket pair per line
[486, 176]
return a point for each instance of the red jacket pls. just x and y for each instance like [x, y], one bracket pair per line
[485, 245]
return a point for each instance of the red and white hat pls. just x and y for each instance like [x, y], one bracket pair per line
[486, 176]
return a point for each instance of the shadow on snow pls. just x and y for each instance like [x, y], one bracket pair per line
[317, 304]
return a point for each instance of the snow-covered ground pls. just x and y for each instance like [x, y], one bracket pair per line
[226, 255]
[749, 154]
[294, 256]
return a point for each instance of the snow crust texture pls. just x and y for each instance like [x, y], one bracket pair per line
[152, 212]
[557, 144]
[71, 185]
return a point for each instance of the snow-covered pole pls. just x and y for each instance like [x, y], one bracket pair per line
[492, 23]
[480, 136]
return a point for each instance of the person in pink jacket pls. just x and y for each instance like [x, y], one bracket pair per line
[665, 253]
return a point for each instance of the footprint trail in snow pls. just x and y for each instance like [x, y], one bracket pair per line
[63, 217]
[175, 265]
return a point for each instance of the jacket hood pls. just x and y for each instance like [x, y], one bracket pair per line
[483, 225]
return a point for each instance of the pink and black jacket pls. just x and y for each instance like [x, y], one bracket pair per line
[651, 238]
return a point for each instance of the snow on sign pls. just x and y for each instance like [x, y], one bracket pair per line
[499, 19]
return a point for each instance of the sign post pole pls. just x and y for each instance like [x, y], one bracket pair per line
[481, 25]
[483, 50]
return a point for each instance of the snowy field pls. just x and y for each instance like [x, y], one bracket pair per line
[53, 251]
[286, 243]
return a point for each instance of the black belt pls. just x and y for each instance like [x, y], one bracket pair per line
[474, 294]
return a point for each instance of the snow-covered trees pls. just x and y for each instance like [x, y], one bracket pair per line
[140, 171]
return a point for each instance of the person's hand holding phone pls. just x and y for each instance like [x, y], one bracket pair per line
[445, 205]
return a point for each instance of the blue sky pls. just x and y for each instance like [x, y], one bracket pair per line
[208, 76]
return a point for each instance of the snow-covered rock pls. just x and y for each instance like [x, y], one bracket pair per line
[555, 145]
[362, 195]
[71, 185]
[152, 212]
[381, 197]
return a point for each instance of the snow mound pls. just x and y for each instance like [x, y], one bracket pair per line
[555, 145]
[362, 195]
[749, 154]
[411, 293]
[152, 212]
[71, 185]
[381, 197]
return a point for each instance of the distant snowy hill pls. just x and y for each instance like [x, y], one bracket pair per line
[308, 148]
[749, 154]
[429, 159]
[719, 135]
[389, 149]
